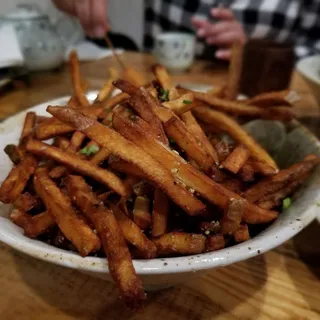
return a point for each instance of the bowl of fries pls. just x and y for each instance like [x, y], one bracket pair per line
[156, 183]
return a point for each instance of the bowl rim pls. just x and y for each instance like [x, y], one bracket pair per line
[301, 67]
[263, 242]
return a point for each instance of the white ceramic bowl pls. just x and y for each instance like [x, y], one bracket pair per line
[310, 69]
[175, 50]
[161, 273]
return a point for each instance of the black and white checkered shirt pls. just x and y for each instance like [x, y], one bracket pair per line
[280, 20]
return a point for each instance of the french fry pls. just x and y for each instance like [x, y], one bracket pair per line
[197, 131]
[234, 74]
[214, 243]
[274, 199]
[231, 127]
[133, 234]
[74, 102]
[107, 89]
[145, 111]
[76, 80]
[82, 166]
[60, 208]
[135, 77]
[26, 202]
[247, 173]
[129, 152]
[100, 156]
[274, 98]
[40, 119]
[242, 233]
[261, 167]
[181, 105]
[125, 167]
[14, 153]
[28, 127]
[160, 213]
[165, 81]
[231, 219]
[178, 131]
[33, 226]
[141, 213]
[223, 149]
[218, 91]
[192, 178]
[118, 255]
[17, 179]
[276, 182]
[61, 143]
[180, 243]
[236, 160]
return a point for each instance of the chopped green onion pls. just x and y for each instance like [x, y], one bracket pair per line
[187, 101]
[90, 150]
[164, 95]
[109, 118]
[286, 203]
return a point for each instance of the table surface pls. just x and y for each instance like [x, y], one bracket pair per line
[281, 284]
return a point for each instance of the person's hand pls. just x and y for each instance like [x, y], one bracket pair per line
[222, 33]
[92, 14]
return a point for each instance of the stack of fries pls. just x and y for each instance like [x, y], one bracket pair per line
[145, 174]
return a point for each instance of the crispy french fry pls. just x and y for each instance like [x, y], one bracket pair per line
[125, 167]
[160, 213]
[236, 160]
[261, 167]
[235, 131]
[40, 119]
[76, 80]
[74, 102]
[223, 149]
[247, 172]
[134, 76]
[274, 199]
[178, 131]
[192, 178]
[59, 206]
[182, 104]
[133, 234]
[118, 255]
[14, 153]
[274, 98]
[218, 91]
[276, 182]
[17, 179]
[165, 81]
[111, 103]
[53, 127]
[82, 166]
[235, 69]
[231, 219]
[180, 243]
[61, 143]
[107, 89]
[141, 213]
[26, 202]
[197, 131]
[28, 127]
[215, 242]
[33, 226]
[102, 155]
[242, 233]
[128, 151]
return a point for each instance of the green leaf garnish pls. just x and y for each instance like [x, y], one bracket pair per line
[187, 101]
[90, 150]
[286, 203]
[164, 95]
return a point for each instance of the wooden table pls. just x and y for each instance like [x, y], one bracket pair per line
[281, 284]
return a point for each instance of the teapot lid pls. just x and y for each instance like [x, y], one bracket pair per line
[25, 11]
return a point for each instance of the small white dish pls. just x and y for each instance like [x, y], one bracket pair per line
[165, 272]
[175, 50]
[310, 69]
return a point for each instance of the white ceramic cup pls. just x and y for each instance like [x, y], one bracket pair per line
[175, 50]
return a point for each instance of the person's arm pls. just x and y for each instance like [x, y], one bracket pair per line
[92, 14]
[222, 33]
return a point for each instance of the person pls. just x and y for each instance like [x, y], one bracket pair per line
[217, 23]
